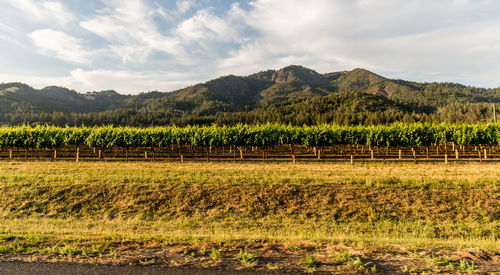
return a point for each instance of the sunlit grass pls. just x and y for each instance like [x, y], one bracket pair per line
[375, 206]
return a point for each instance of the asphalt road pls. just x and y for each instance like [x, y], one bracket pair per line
[24, 268]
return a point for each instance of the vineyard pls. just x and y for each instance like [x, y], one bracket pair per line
[267, 141]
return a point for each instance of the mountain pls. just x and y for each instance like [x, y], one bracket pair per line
[294, 94]
[18, 96]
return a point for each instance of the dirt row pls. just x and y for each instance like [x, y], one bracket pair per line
[185, 152]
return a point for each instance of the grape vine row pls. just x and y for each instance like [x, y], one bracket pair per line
[414, 135]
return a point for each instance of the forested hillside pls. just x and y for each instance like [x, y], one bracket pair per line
[293, 94]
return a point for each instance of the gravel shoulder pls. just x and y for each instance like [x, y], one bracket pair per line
[26, 268]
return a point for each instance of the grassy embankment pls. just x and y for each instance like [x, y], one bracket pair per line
[113, 211]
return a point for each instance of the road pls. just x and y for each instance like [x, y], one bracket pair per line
[25, 268]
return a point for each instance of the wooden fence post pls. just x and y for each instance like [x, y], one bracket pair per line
[456, 154]
[480, 158]
[145, 154]
[485, 155]
[10, 153]
[77, 159]
[371, 153]
[55, 153]
[400, 154]
[182, 158]
[293, 159]
[319, 154]
[446, 158]
[352, 159]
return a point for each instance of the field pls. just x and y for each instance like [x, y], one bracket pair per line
[323, 216]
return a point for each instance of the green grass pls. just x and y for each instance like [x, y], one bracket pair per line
[462, 265]
[214, 254]
[88, 208]
[310, 262]
[247, 258]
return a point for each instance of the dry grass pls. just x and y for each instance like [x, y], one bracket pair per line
[210, 172]
[372, 207]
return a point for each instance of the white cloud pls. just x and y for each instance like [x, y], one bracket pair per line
[130, 82]
[6, 28]
[184, 5]
[204, 25]
[125, 82]
[132, 33]
[60, 45]
[425, 40]
[449, 37]
[43, 11]
[7, 34]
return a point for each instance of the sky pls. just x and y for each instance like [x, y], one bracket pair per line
[134, 46]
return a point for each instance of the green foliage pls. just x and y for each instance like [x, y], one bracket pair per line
[358, 264]
[345, 258]
[466, 266]
[310, 262]
[342, 258]
[214, 254]
[273, 266]
[247, 258]
[415, 134]
[462, 265]
[293, 95]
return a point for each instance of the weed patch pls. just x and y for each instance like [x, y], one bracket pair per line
[246, 258]
[310, 262]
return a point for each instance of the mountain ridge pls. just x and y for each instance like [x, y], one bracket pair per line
[235, 98]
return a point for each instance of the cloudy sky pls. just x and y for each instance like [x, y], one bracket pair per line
[134, 46]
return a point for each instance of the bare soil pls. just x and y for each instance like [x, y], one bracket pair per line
[272, 259]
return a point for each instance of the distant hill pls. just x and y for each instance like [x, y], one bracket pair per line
[18, 96]
[294, 94]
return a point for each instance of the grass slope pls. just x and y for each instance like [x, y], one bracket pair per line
[108, 210]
